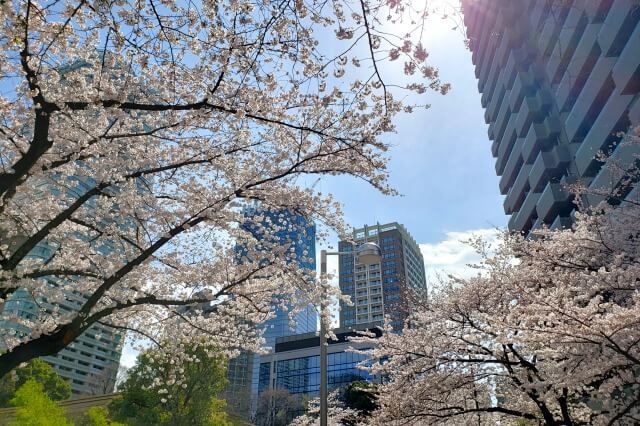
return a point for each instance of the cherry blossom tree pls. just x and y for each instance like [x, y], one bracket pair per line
[338, 413]
[547, 332]
[133, 134]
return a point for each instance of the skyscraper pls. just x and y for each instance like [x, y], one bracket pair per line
[559, 81]
[273, 227]
[380, 289]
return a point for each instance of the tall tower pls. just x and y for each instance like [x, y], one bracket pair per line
[381, 289]
[559, 80]
[273, 227]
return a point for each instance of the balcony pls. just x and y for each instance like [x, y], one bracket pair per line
[512, 168]
[538, 13]
[561, 223]
[526, 216]
[514, 198]
[491, 113]
[547, 34]
[533, 109]
[600, 133]
[539, 137]
[607, 179]
[547, 166]
[627, 64]
[586, 98]
[506, 146]
[567, 40]
[583, 53]
[554, 201]
[523, 85]
[613, 25]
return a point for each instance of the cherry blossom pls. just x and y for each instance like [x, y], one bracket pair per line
[135, 134]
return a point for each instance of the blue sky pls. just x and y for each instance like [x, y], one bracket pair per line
[441, 163]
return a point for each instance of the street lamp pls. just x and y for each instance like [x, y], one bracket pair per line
[365, 254]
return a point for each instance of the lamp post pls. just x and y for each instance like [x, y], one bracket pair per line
[365, 254]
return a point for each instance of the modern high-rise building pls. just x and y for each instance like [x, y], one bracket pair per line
[272, 227]
[90, 363]
[559, 81]
[381, 289]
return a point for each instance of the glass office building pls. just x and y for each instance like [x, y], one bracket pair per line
[90, 363]
[295, 365]
[273, 227]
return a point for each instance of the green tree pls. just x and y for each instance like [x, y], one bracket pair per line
[98, 416]
[35, 408]
[187, 395]
[362, 397]
[55, 386]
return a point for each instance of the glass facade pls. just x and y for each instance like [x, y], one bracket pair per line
[273, 227]
[302, 375]
[300, 235]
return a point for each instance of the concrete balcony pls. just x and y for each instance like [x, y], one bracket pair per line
[619, 12]
[511, 69]
[547, 34]
[567, 39]
[530, 111]
[516, 194]
[540, 137]
[506, 146]
[562, 222]
[538, 13]
[624, 71]
[523, 85]
[593, 8]
[494, 80]
[587, 98]
[553, 202]
[583, 53]
[609, 177]
[493, 108]
[538, 224]
[634, 195]
[502, 121]
[526, 215]
[512, 167]
[548, 165]
[600, 133]
[488, 65]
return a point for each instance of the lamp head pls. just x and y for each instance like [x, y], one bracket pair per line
[368, 254]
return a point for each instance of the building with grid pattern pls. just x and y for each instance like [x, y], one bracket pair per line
[559, 81]
[90, 363]
[381, 289]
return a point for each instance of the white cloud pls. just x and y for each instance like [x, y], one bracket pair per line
[129, 355]
[453, 254]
